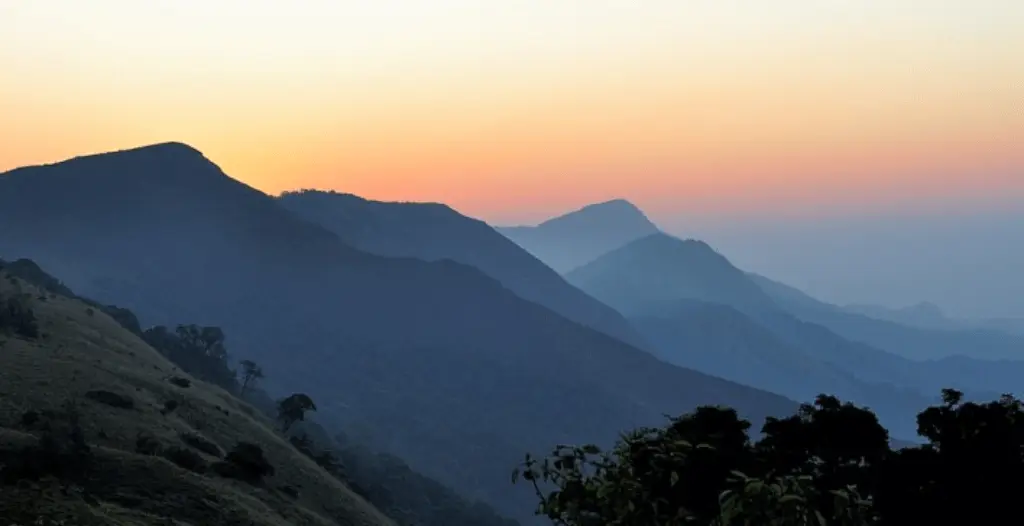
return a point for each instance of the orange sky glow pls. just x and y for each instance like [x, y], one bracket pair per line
[512, 111]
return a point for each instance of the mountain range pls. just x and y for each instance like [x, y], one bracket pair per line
[697, 309]
[434, 361]
[458, 346]
[434, 232]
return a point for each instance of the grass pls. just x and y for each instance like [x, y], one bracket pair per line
[82, 351]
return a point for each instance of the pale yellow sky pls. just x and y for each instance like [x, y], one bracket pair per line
[529, 106]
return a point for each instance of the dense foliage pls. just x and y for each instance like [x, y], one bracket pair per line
[200, 351]
[830, 463]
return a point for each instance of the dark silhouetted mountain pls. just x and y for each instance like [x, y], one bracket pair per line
[433, 232]
[663, 269]
[574, 239]
[439, 363]
[906, 339]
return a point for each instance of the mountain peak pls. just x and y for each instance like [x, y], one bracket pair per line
[618, 212]
[578, 237]
[162, 151]
[168, 147]
[659, 269]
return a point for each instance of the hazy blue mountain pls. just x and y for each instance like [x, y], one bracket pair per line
[720, 340]
[576, 238]
[433, 232]
[906, 339]
[965, 257]
[648, 278]
[437, 362]
[924, 315]
[1008, 325]
[662, 269]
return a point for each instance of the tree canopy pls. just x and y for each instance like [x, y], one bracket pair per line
[828, 464]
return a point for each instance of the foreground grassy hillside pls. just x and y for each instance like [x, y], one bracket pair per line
[95, 427]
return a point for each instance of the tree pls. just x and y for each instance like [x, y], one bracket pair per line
[293, 409]
[198, 350]
[250, 374]
[207, 340]
[830, 464]
[655, 476]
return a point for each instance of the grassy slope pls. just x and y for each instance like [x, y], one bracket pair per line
[81, 350]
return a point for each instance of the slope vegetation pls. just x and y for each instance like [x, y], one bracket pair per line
[87, 436]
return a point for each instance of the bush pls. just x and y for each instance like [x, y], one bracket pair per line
[186, 458]
[61, 452]
[245, 462]
[179, 381]
[146, 444]
[169, 407]
[29, 418]
[17, 316]
[110, 398]
[201, 443]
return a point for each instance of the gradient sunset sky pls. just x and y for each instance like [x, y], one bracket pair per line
[514, 110]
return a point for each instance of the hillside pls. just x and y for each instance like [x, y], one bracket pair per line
[574, 239]
[84, 367]
[720, 340]
[435, 362]
[433, 232]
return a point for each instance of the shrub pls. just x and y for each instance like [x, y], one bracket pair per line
[169, 407]
[110, 398]
[146, 444]
[185, 458]
[61, 451]
[179, 381]
[17, 316]
[201, 443]
[245, 462]
[29, 418]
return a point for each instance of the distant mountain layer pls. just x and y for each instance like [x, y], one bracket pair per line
[576, 238]
[433, 232]
[439, 363]
[662, 269]
[699, 310]
[908, 339]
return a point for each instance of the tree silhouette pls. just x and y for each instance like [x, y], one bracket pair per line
[293, 409]
[250, 374]
[829, 464]
[209, 340]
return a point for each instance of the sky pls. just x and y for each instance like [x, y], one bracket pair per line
[703, 112]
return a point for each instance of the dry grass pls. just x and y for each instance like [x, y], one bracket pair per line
[82, 350]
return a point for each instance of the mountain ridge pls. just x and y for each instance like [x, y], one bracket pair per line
[433, 231]
[446, 367]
